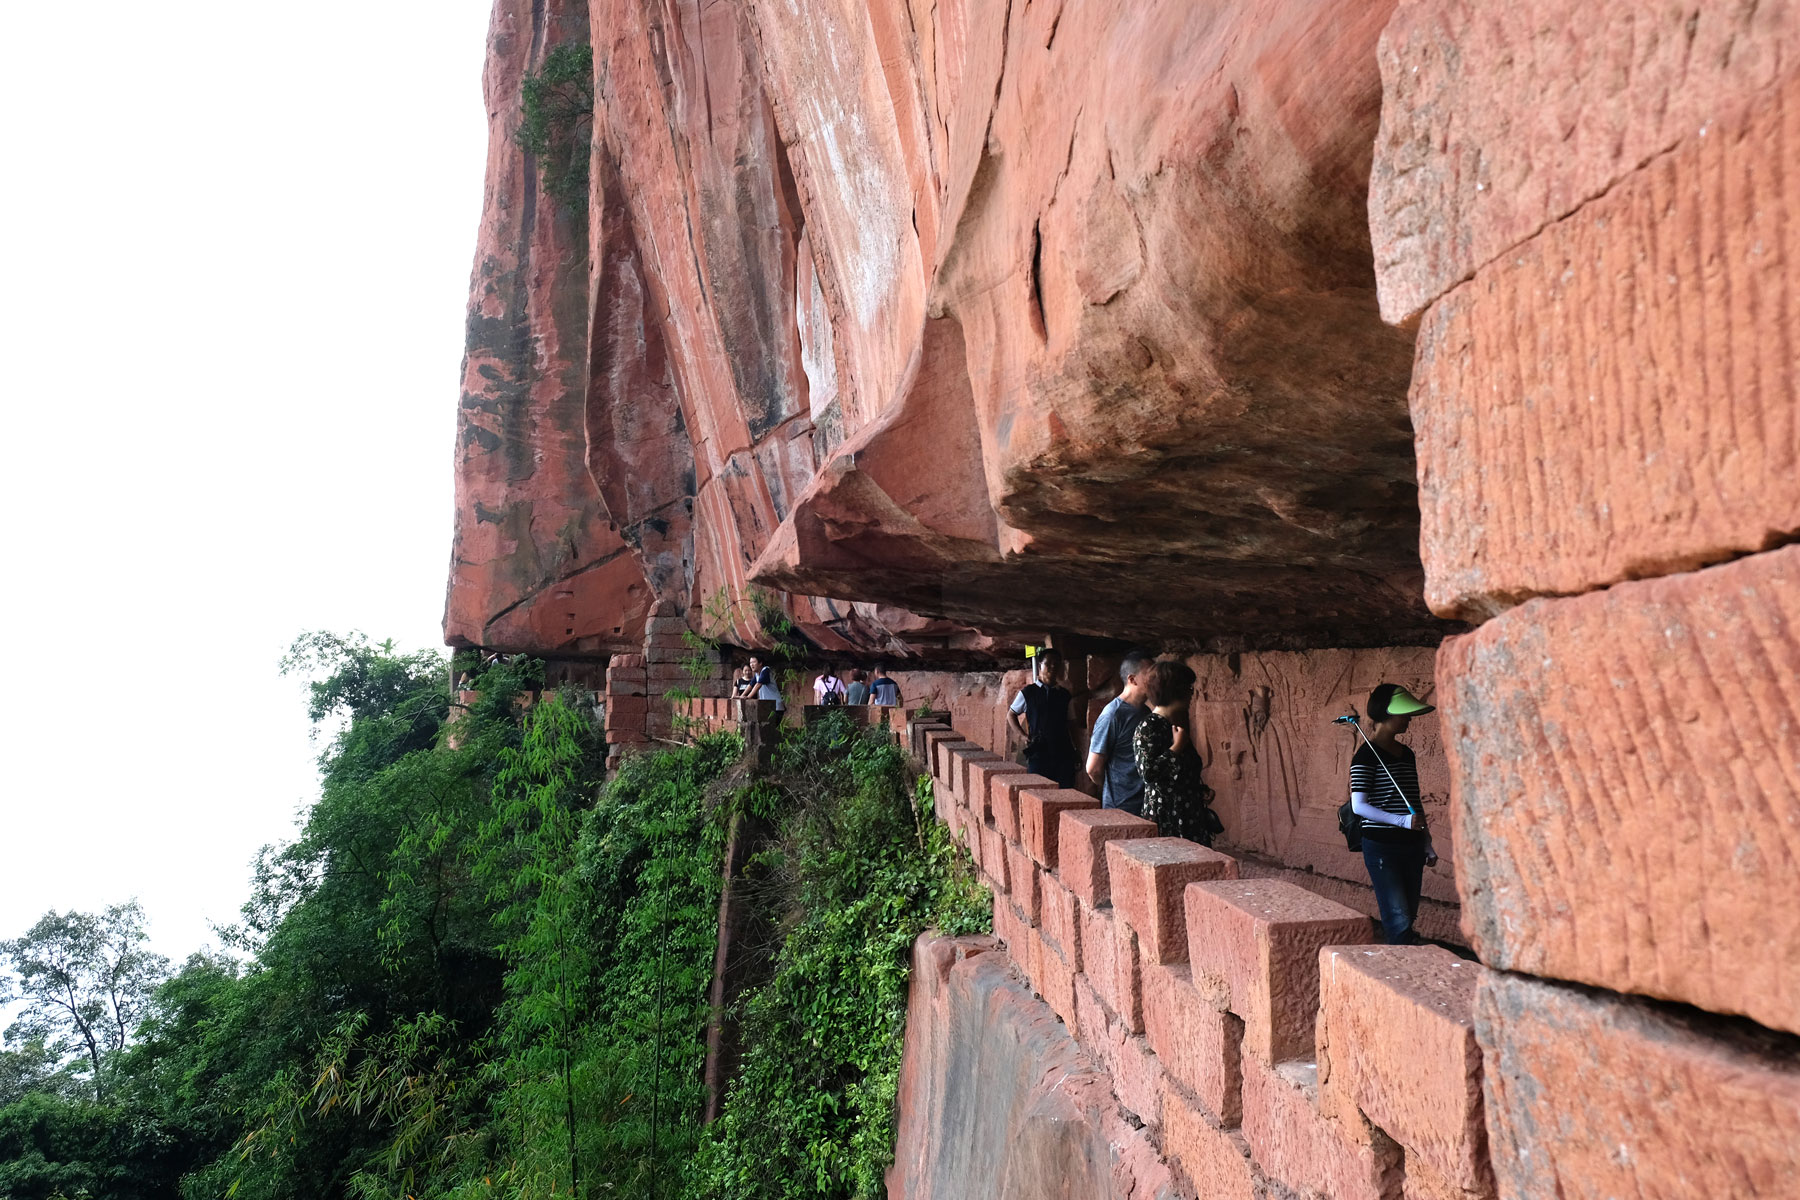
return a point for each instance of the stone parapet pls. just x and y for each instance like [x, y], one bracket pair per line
[1213, 1058]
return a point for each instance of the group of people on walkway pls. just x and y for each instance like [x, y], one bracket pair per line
[1141, 753]
[1143, 758]
[756, 681]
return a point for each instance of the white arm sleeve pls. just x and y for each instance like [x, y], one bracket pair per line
[1359, 804]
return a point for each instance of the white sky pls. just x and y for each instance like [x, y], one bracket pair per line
[237, 243]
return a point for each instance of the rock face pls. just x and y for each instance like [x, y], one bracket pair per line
[996, 1098]
[1595, 1095]
[1050, 317]
[1625, 795]
[538, 562]
[1587, 212]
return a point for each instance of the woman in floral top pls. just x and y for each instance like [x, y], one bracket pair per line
[1174, 795]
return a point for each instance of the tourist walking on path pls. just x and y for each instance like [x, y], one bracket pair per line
[1384, 794]
[858, 691]
[828, 688]
[1040, 712]
[1112, 762]
[884, 691]
[1175, 797]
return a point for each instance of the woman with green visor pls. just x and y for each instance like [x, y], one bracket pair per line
[1384, 794]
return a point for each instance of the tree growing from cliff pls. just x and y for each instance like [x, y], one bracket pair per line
[86, 981]
[556, 109]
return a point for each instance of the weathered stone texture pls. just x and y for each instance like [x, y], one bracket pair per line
[1034, 316]
[536, 562]
[1499, 119]
[1591, 1096]
[1627, 796]
[1397, 1046]
[1615, 398]
[1261, 939]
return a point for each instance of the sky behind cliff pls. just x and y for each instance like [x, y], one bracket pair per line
[238, 241]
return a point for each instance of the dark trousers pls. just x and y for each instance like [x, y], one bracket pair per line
[1397, 873]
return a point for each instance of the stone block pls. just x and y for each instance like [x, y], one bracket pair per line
[1625, 796]
[965, 779]
[1138, 1079]
[915, 736]
[934, 738]
[1312, 1154]
[1003, 799]
[981, 775]
[1098, 952]
[1496, 121]
[1615, 399]
[993, 857]
[1260, 939]
[969, 833]
[1012, 929]
[1061, 918]
[1128, 978]
[1396, 1035]
[1094, 1025]
[1053, 976]
[944, 763]
[1200, 1044]
[1215, 1160]
[1594, 1095]
[1039, 813]
[1022, 881]
[1149, 878]
[1081, 843]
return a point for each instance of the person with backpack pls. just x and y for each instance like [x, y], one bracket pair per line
[828, 689]
[1384, 796]
[1042, 713]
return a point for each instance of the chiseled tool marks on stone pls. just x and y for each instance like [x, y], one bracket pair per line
[1590, 1095]
[1616, 398]
[1498, 119]
[1627, 795]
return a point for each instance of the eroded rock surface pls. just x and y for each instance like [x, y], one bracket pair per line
[1050, 316]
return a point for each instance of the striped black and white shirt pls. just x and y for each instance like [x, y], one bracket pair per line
[1367, 777]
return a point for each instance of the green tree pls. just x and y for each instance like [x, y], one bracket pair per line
[85, 980]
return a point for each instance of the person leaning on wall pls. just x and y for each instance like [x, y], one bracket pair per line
[1041, 713]
[1175, 796]
[1112, 761]
[1384, 794]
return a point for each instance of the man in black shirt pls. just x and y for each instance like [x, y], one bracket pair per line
[1384, 793]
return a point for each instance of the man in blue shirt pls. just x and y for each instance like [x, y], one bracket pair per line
[1111, 762]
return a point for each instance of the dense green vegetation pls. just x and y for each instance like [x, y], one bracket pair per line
[483, 970]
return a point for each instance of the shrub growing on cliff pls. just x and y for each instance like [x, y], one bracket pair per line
[556, 111]
[860, 868]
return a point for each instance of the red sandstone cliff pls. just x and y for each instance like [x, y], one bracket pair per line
[1049, 316]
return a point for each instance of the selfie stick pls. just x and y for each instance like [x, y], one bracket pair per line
[1350, 720]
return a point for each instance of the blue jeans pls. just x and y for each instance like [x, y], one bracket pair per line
[1397, 873]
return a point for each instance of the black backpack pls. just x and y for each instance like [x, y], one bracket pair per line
[1350, 825]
